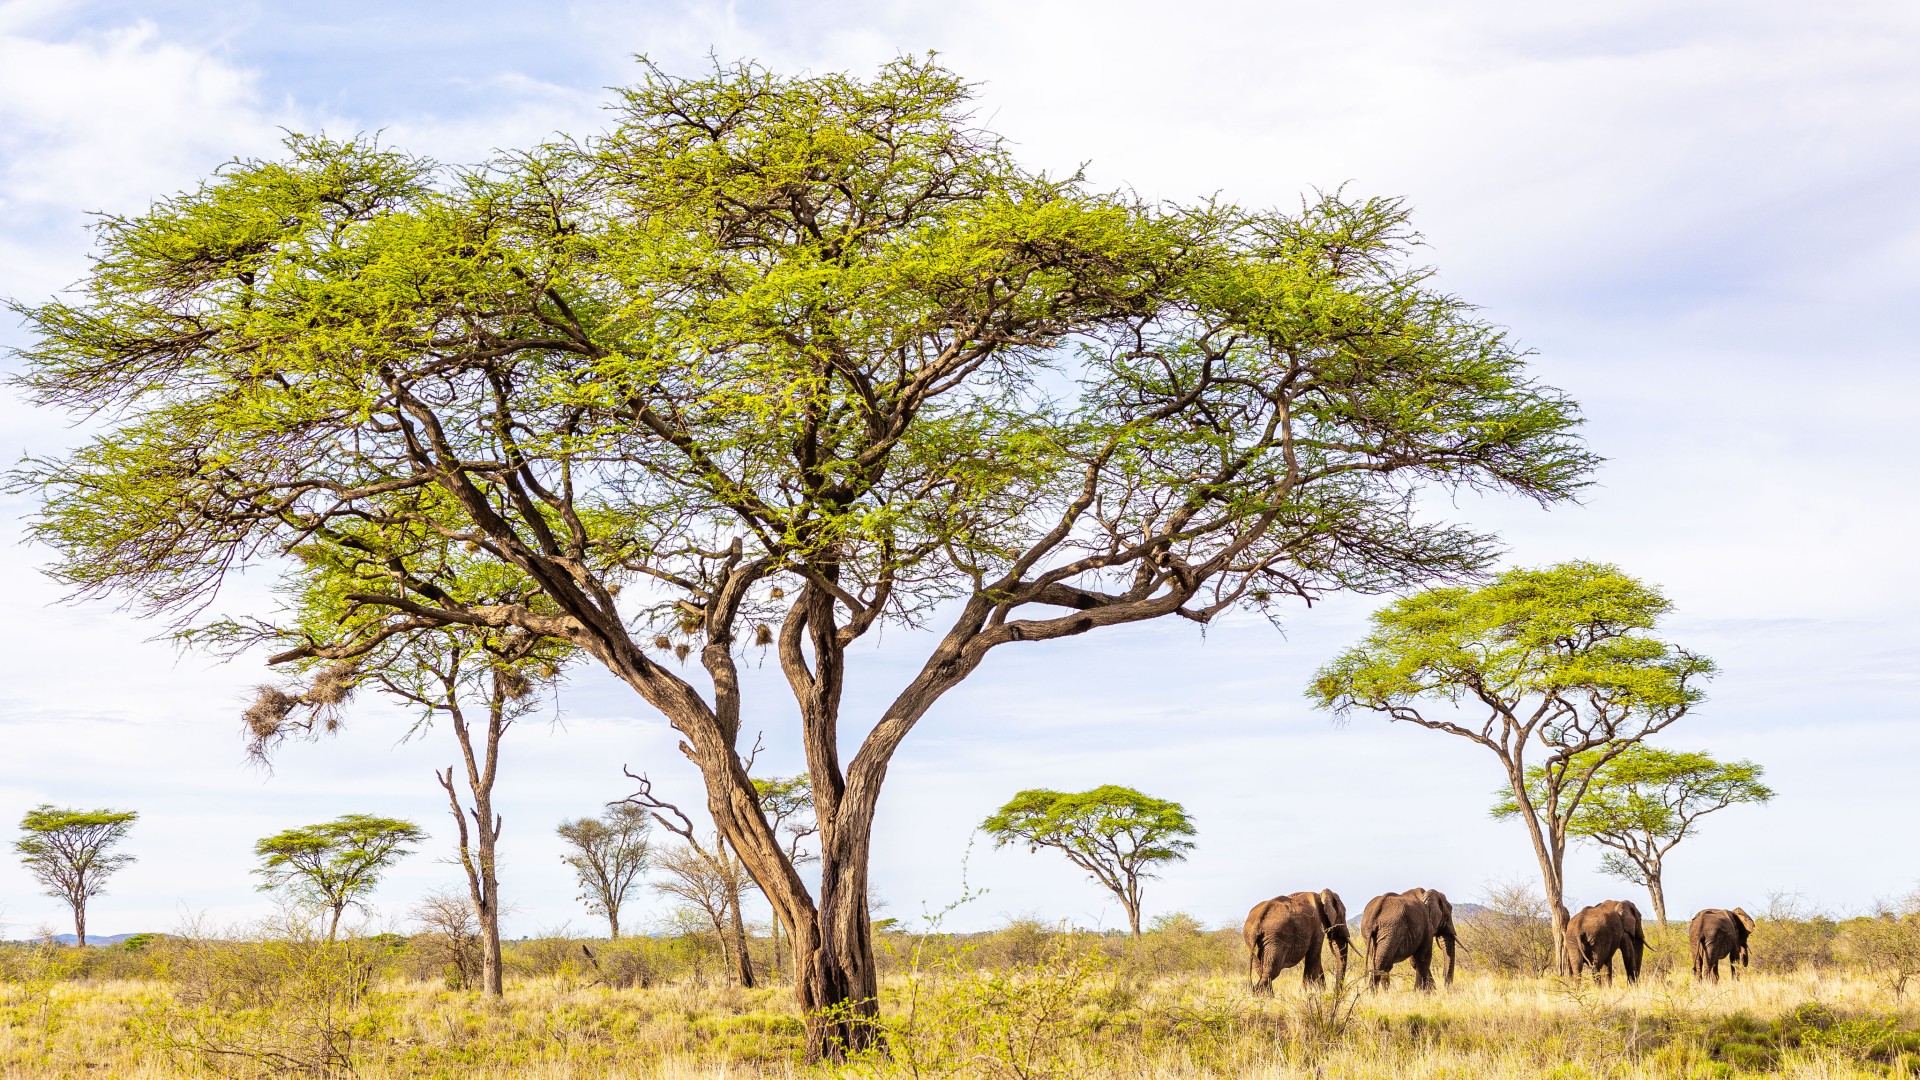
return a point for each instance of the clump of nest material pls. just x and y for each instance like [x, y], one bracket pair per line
[269, 720]
[333, 685]
[763, 634]
[514, 684]
[266, 718]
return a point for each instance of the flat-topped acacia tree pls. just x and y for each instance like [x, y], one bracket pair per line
[779, 361]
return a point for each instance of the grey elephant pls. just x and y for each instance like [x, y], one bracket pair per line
[1718, 934]
[1404, 926]
[1598, 932]
[1294, 929]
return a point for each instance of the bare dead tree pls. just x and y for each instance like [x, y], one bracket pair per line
[707, 875]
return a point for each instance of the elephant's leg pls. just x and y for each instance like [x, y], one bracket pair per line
[1423, 966]
[1264, 970]
[1312, 973]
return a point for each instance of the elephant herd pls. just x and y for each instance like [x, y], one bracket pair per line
[1397, 927]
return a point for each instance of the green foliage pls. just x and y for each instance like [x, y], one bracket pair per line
[1560, 659]
[607, 855]
[337, 863]
[286, 1003]
[812, 316]
[1549, 637]
[1644, 800]
[1116, 834]
[70, 853]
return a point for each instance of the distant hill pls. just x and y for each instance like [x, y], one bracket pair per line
[68, 939]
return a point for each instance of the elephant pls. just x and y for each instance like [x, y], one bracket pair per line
[1403, 926]
[1599, 931]
[1288, 930]
[1717, 933]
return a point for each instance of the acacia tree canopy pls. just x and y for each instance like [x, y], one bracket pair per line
[1559, 661]
[335, 864]
[1116, 834]
[777, 360]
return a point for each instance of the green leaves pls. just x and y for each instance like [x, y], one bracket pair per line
[1107, 823]
[335, 863]
[70, 852]
[1649, 796]
[1573, 636]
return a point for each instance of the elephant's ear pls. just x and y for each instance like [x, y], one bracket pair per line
[1332, 912]
[1746, 920]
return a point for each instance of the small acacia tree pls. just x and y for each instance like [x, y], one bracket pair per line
[607, 854]
[1558, 661]
[1116, 834]
[776, 360]
[336, 864]
[1643, 802]
[70, 853]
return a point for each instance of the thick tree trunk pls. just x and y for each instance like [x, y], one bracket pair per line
[1658, 895]
[613, 923]
[80, 923]
[333, 925]
[1133, 917]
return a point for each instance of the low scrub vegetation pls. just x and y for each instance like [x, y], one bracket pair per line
[1026, 1002]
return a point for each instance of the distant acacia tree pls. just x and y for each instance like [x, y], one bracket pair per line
[1558, 661]
[608, 854]
[780, 360]
[1642, 803]
[70, 853]
[336, 864]
[1116, 834]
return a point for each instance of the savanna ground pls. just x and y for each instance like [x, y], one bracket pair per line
[1825, 999]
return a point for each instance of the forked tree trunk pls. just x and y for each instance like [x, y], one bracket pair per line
[478, 851]
[80, 923]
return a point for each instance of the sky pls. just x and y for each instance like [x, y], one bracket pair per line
[1700, 216]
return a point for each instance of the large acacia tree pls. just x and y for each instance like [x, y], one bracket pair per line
[775, 360]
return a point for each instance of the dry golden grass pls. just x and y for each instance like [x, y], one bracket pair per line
[1066, 1018]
